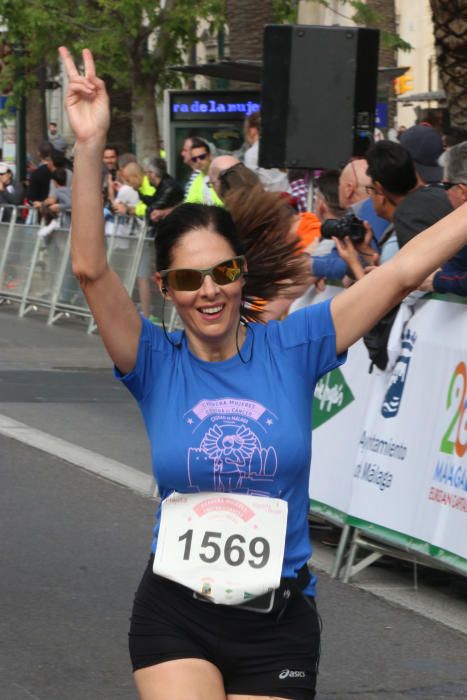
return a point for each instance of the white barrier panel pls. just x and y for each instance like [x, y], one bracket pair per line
[338, 407]
[20, 247]
[35, 269]
[393, 449]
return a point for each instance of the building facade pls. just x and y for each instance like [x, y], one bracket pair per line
[414, 25]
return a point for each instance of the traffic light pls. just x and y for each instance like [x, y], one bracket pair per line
[403, 84]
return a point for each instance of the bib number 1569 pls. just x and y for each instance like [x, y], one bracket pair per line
[234, 550]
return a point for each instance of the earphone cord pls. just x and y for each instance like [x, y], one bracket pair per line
[175, 345]
[248, 328]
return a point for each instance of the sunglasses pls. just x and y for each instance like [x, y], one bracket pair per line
[203, 156]
[187, 280]
[448, 185]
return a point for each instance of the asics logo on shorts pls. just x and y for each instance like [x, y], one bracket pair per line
[287, 673]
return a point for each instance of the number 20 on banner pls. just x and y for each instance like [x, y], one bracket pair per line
[455, 438]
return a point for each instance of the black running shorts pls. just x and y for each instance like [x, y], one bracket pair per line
[275, 653]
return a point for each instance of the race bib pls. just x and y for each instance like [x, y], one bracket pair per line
[226, 547]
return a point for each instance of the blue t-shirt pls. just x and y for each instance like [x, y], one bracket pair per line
[235, 426]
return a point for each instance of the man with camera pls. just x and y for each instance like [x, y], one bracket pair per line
[326, 263]
[399, 196]
[353, 195]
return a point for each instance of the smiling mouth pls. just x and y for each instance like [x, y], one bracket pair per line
[211, 310]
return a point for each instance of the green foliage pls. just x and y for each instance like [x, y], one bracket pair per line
[133, 41]
[285, 11]
[395, 42]
[29, 43]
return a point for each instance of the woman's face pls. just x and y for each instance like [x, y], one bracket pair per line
[211, 313]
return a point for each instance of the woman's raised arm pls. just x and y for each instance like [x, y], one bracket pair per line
[117, 319]
[357, 309]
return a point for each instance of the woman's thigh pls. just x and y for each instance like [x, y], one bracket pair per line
[182, 679]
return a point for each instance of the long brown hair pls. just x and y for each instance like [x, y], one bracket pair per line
[264, 224]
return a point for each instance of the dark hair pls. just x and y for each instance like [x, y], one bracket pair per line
[45, 149]
[253, 121]
[275, 264]
[328, 185]
[58, 158]
[109, 147]
[391, 165]
[196, 142]
[52, 123]
[430, 116]
[60, 176]
[256, 224]
[191, 217]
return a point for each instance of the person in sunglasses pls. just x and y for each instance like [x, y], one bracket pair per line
[455, 171]
[451, 278]
[226, 609]
[186, 157]
[199, 191]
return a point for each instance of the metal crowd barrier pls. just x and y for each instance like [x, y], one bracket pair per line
[35, 269]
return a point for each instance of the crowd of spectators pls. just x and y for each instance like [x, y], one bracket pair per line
[397, 188]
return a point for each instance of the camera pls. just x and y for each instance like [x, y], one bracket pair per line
[349, 225]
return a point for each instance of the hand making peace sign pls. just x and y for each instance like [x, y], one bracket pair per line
[87, 102]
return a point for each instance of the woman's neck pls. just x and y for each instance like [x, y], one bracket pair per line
[220, 349]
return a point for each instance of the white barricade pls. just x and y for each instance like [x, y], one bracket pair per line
[126, 244]
[20, 251]
[35, 270]
[390, 448]
[7, 273]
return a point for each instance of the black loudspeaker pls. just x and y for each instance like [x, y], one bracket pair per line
[318, 95]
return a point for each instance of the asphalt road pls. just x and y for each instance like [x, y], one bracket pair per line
[73, 547]
[59, 380]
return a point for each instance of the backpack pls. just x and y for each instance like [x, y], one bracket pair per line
[376, 340]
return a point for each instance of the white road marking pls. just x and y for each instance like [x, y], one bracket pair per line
[79, 456]
[424, 602]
